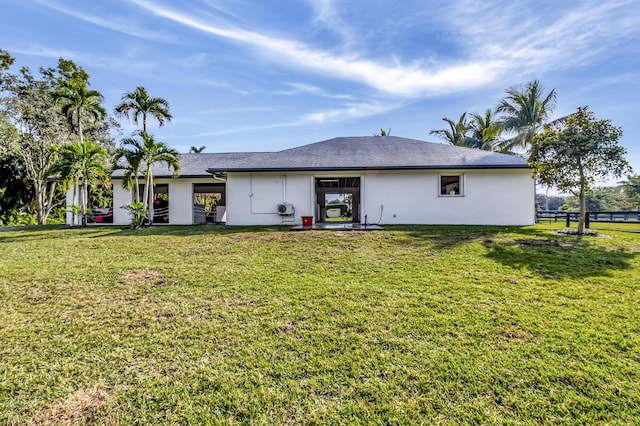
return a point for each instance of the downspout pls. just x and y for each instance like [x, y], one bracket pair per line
[284, 188]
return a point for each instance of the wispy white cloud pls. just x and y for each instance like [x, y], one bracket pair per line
[192, 61]
[327, 15]
[225, 85]
[245, 129]
[397, 80]
[42, 51]
[498, 40]
[119, 23]
[568, 34]
[298, 88]
[130, 65]
[236, 110]
[347, 112]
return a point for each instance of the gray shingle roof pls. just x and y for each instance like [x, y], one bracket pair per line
[344, 153]
[372, 152]
[196, 165]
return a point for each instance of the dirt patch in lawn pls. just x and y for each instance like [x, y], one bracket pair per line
[513, 334]
[143, 277]
[75, 409]
[539, 243]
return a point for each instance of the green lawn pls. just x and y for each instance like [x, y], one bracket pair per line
[410, 325]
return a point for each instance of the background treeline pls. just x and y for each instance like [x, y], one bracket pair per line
[623, 197]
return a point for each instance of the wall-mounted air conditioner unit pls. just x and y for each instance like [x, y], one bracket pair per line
[286, 209]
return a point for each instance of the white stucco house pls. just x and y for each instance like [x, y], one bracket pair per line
[380, 179]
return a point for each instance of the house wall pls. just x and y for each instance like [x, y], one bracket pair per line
[121, 197]
[73, 219]
[180, 200]
[490, 197]
[253, 198]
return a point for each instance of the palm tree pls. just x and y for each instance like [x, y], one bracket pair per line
[77, 101]
[525, 111]
[383, 132]
[457, 133]
[81, 164]
[195, 150]
[485, 130]
[143, 153]
[139, 104]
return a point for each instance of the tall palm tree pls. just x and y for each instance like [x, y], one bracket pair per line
[78, 101]
[457, 133]
[80, 164]
[485, 130]
[145, 152]
[525, 111]
[139, 104]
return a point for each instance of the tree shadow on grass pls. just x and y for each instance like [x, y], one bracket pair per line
[559, 258]
[54, 232]
[45, 232]
[534, 249]
[448, 237]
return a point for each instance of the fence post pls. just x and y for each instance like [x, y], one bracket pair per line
[568, 220]
[586, 220]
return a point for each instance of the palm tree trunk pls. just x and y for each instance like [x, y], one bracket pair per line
[85, 196]
[145, 200]
[151, 198]
[79, 112]
[136, 188]
[74, 202]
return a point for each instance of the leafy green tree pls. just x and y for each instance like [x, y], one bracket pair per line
[14, 194]
[631, 190]
[6, 60]
[81, 164]
[574, 154]
[29, 104]
[145, 152]
[457, 133]
[97, 126]
[606, 198]
[525, 111]
[79, 103]
[485, 131]
[33, 107]
[138, 104]
[549, 202]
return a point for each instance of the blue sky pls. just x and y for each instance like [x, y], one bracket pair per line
[249, 75]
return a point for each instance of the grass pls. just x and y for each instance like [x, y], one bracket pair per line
[411, 325]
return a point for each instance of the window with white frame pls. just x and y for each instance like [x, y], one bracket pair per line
[451, 185]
